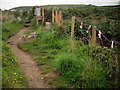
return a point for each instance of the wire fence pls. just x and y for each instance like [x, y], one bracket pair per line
[82, 30]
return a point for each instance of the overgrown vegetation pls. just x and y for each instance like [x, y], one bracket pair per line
[87, 67]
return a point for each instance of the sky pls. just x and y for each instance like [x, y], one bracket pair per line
[7, 4]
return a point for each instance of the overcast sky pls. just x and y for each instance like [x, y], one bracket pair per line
[7, 4]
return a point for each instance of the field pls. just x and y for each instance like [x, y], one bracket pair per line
[77, 64]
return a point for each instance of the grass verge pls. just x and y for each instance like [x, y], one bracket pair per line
[9, 28]
[12, 75]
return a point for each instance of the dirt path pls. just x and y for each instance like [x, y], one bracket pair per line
[32, 73]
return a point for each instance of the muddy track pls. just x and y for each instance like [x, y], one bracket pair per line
[31, 70]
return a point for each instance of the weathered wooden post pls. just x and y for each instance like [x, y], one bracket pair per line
[56, 16]
[53, 16]
[59, 19]
[43, 15]
[36, 20]
[93, 40]
[72, 27]
[72, 34]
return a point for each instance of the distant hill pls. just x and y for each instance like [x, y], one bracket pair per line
[70, 6]
[25, 8]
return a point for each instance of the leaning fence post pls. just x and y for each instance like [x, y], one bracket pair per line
[93, 36]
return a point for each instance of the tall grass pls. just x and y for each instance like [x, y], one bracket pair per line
[10, 28]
